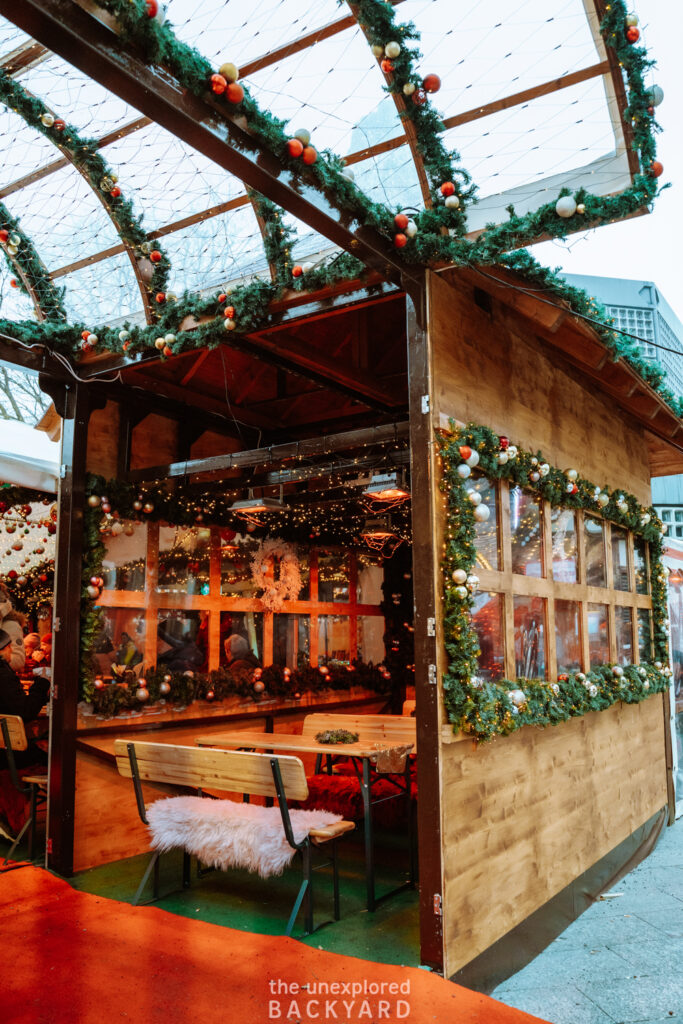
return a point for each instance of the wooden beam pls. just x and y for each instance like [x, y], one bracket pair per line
[308, 448]
[23, 58]
[92, 47]
[232, 412]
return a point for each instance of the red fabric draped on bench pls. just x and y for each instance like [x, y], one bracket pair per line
[341, 794]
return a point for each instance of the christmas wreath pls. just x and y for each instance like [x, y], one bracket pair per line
[276, 589]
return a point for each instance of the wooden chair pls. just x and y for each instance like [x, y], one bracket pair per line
[13, 740]
[230, 771]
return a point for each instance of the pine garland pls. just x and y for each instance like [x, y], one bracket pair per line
[486, 709]
[27, 261]
[85, 155]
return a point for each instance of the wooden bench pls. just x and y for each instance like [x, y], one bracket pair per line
[13, 740]
[231, 824]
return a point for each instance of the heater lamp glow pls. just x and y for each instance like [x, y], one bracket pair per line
[253, 505]
[386, 487]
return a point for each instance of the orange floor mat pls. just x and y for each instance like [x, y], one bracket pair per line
[74, 958]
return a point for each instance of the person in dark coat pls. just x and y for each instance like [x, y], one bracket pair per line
[238, 654]
[13, 700]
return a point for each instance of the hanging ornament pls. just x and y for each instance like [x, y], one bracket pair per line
[107, 183]
[518, 697]
[409, 88]
[474, 496]
[155, 256]
[348, 174]
[400, 240]
[392, 49]
[229, 72]
[465, 451]
[472, 582]
[155, 10]
[401, 221]
[633, 34]
[59, 125]
[656, 169]
[502, 458]
[377, 50]
[482, 513]
[159, 343]
[309, 155]
[461, 592]
[295, 147]
[572, 474]
[631, 20]
[419, 97]
[234, 92]
[565, 206]
[164, 688]
[229, 324]
[303, 135]
[160, 297]
[459, 576]
[93, 592]
[581, 208]
[452, 202]
[464, 471]
[13, 283]
[142, 693]
[544, 469]
[4, 235]
[431, 83]
[148, 507]
[218, 84]
[387, 66]
[47, 119]
[115, 192]
[411, 229]
[654, 95]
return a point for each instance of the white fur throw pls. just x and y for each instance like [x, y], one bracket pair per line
[227, 834]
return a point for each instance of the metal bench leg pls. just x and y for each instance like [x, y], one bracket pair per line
[32, 821]
[153, 865]
[308, 874]
[17, 841]
[335, 879]
[187, 865]
[369, 850]
[297, 905]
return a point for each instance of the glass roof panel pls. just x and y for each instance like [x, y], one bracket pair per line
[14, 305]
[11, 37]
[104, 292]
[215, 251]
[551, 135]
[482, 53]
[166, 179]
[27, 148]
[82, 102]
[63, 217]
[240, 33]
[328, 89]
[390, 178]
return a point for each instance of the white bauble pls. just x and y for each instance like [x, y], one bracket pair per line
[565, 206]
[642, 672]
[459, 576]
[464, 471]
[518, 697]
[411, 229]
[502, 458]
[572, 474]
[474, 496]
[645, 518]
[544, 469]
[409, 88]
[392, 49]
[348, 174]
[473, 460]
[512, 451]
[534, 477]
[461, 592]
[482, 513]
[646, 685]
[593, 690]
[452, 202]
[603, 499]
[654, 95]
[472, 581]
[555, 688]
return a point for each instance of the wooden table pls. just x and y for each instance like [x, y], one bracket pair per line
[360, 753]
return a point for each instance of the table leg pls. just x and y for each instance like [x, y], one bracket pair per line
[369, 851]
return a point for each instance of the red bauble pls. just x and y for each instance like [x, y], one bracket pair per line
[12, 574]
[503, 442]
[234, 93]
[160, 297]
[656, 169]
[222, 297]
[419, 97]
[387, 66]
[633, 34]
[168, 351]
[155, 256]
[651, 111]
[309, 155]
[13, 283]
[465, 452]
[431, 83]
[152, 8]
[295, 147]
[4, 235]
[59, 125]
[229, 312]
[218, 84]
[400, 240]
[126, 346]
[85, 335]
[297, 271]
[447, 189]
[115, 192]
[210, 695]
[42, 578]
[401, 221]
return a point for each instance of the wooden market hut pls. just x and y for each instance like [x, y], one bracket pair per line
[517, 834]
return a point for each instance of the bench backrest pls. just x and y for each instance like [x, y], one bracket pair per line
[372, 728]
[208, 768]
[17, 732]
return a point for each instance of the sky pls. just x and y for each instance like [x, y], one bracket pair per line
[649, 247]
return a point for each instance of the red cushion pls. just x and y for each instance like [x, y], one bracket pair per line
[341, 794]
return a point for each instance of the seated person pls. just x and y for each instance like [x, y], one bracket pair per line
[183, 655]
[127, 654]
[238, 653]
[13, 700]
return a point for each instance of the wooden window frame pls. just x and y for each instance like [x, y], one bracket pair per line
[151, 599]
[510, 585]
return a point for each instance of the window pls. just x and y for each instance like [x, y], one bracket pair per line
[526, 533]
[568, 635]
[666, 515]
[488, 533]
[123, 565]
[529, 616]
[565, 567]
[620, 559]
[623, 620]
[640, 565]
[598, 634]
[487, 619]
[596, 566]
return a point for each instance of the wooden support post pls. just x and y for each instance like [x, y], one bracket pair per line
[66, 630]
[426, 560]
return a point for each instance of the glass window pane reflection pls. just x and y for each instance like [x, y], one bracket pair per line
[565, 567]
[487, 619]
[620, 559]
[184, 559]
[529, 615]
[526, 534]
[645, 634]
[623, 621]
[568, 635]
[123, 565]
[334, 639]
[487, 534]
[594, 533]
[640, 553]
[598, 634]
[291, 640]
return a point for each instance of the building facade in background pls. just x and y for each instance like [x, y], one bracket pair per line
[639, 308]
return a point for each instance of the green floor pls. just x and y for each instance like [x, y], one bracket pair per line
[244, 901]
